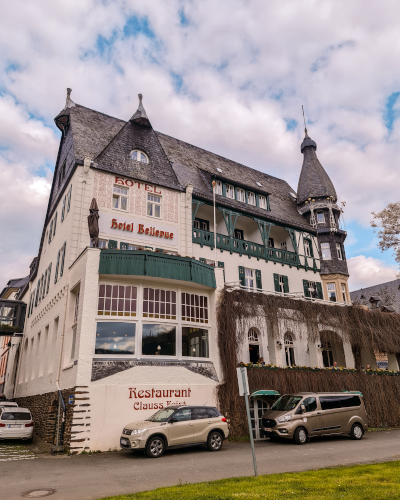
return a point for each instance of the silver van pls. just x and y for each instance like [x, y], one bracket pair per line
[309, 414]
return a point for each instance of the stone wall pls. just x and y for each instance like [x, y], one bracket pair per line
[44, 408]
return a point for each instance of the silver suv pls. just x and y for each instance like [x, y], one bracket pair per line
[176, 427]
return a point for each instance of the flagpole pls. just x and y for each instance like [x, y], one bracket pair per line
[215, 225]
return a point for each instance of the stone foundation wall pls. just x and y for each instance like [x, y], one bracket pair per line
[44, 409]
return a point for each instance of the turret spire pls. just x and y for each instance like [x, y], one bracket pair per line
[69, 103]
[140, 116]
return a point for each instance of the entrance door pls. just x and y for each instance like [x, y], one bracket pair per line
[257, 409]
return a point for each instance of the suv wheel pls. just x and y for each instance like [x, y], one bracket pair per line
[300, 435]
[155, 447]
[215, 441]
[357, 432]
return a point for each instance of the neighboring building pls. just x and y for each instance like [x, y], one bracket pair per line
[131, 326]
[10, 292]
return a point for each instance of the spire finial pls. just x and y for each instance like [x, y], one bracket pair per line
[140, 97]
[69, 103]
[140, 116]
[304, 119]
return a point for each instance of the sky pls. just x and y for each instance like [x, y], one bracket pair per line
[228, 76]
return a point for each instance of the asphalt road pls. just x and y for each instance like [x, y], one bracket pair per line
[95, 476]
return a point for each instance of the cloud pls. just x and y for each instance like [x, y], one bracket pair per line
[367, 271]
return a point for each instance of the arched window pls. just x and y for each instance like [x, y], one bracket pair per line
[254, 345]
[289, 349]
[253, 336]
[139, 156]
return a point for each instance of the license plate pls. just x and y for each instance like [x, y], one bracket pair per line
[124, 441]
[267, 429]
[14, 426]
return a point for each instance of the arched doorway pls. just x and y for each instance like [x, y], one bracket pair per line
[253, 337]
[332, 349]
[289, 349]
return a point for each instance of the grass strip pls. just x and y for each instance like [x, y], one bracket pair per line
[358, 482]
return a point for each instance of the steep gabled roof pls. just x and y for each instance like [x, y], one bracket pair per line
[380, 292]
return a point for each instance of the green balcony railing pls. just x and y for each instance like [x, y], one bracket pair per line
[243, 247]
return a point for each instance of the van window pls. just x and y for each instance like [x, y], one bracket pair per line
[349, 401]
[330, 402]
[16, 416]
[286, 403]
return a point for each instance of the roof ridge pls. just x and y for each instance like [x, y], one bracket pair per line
[374, 286]
[101, 113]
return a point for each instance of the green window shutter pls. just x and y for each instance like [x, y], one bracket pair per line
[124, 246]
[55, 224]
[62, 259]
[246, 196]
[276, 283]
[268, 207]
[57, 266]
[63, 208]
[203, 260]
[112, 245]
[319, 291]
[257, 200]
[285, 284]
[223, 189]
[241, 276]
[305, 287]
[50, 231]
[258, 279]
[221, 264]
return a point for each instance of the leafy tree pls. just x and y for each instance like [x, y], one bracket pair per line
[388, 220]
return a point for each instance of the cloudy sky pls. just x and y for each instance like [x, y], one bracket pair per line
[228, 76]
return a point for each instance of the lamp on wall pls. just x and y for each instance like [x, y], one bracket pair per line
[158, 348]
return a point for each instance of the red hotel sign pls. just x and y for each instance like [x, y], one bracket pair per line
[129, 183]
[150, 231]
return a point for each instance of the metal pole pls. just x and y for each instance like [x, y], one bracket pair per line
[215, 225]
[246, 398]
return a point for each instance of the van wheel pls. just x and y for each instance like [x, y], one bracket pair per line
[300, 435]
[215, 441]
[155, 447]
[357, 432]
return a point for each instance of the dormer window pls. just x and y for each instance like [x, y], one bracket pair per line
[240, 195]
[251, 198]
[139, 156]
[259, 184]
[320, 217]
[262, 202]
[230, 191]
[218, 187]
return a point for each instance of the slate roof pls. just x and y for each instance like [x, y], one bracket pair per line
[314, 182]
[391, 288]
[15, 283]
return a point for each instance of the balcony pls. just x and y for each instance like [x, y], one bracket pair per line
[243, 247]
[12, 317]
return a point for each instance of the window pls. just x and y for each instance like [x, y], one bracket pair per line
[326, 251]
[310, 404]
[327, 353]
[240, 195]
[158, 340]
[249, 278]
[159, 303]
[73, 343]
[62, 173]
[202, 224]
[76, 308]
[54, 225]
[117, 300]
[331, 292]
[289, 349]
[281, 283]
[50, 231]
[308, 248]
[63, 208]
[120, 198]
[259, 184]
[62, 259]
[195, 342]
[102, 244]
[69, 199]
[194, 308]
[230, 191]
[200, 413]
[320, 217]
[330, 402]
[284, 245]
[181, 415]
[153, 206]
[138, 155]
[218, 187]
[115, 338]
[344, 295]
[271, 242]
[252, 336]
[254, 345]
[238, 234]
[251, 198]
[262, 202]
[339, 251]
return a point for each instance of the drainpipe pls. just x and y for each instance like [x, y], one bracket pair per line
[59, 371]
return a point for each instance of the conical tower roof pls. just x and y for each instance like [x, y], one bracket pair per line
[314, 182]
[140, 117]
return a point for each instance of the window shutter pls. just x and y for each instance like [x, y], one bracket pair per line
[268, 207]
[44, 284]
[305, 287]
[257, 200]
[285, 284]
[112, 245]
[63, 208]
[124, 246]
[258, 279]
[276, 283]
[50, 231]
[241, 276]
[57, 266]
[62, 259]
[69, 198]
[319, 291]
[55, 224]
[223, 189]
[48, 278]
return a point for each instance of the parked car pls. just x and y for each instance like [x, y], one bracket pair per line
[16, 423]
[305, 415]
[8, 404]
[175, 427]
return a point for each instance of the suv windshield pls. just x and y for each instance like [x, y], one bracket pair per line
[161, 415]
[286, 403]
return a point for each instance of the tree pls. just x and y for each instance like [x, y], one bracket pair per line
[389, 234]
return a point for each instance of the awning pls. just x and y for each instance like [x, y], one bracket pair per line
[354, 392]
[267, 392]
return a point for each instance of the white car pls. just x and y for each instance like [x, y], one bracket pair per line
[16, 423]
[7, 404]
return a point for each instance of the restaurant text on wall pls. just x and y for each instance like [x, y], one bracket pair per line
[152, 394]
